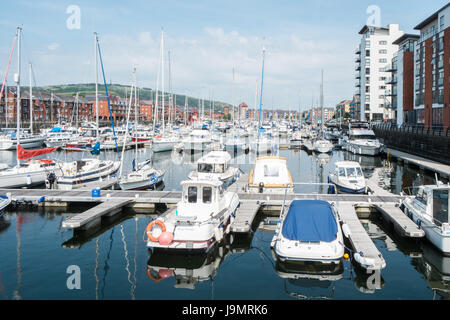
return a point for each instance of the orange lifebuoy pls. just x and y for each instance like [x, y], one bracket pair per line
[151, 276]
[149, 229]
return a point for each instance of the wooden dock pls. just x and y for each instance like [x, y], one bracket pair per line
[108, 183]
[434, 166]
[402, 224]
[245, 215]
[362, 244]
[92, 217]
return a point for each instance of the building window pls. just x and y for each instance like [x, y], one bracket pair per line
[383, 60]
[441, 23]
[382, 42]
[383, 51]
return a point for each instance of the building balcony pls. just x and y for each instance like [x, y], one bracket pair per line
[357, 84]
[358, 75]
[391, 68]
[358, 59]
[391, 80]
[357, 68]
[389, 93]
[358, 50]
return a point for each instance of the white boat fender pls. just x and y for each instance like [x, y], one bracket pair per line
[218, 233]
[28, 178]
[364, 261]
[346, 230]
[228, 229]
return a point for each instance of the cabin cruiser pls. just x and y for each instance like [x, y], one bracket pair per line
[348, 177]
[362, 141]
[58, 137]
[75, 174]
[296, 140]
[161, 144]
[144, 177]
[198, 140]
[309, 231]
[235, 143]
[9, 141]
[322, 146]
[215, 166]
[270, 175]
[202, 218]
[262, 145]
[429, 210]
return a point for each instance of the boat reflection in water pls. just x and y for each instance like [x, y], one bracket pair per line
[318, 280]
[187, 268]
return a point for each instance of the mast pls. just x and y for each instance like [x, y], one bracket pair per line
[260, 96]
[256, 100]
[321, 105]
[76, 108]
[6, 104]
[96, 84]
[185, 108]
[169, 120]
[155, 118]
[162, 79]
[232, 99]
[17, 80]
[31, 102]
[135, 117]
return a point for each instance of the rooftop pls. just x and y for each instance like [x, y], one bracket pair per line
[431, 18]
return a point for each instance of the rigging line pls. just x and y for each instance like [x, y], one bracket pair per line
[107, 97]
[106, 266]
[7, 68]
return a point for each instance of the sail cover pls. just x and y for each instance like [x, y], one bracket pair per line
[310, 221]
[23, 154]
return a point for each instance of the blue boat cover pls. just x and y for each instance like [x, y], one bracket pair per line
[56, 129]
[310, 221]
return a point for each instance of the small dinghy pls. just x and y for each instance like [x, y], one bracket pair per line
[309, 231]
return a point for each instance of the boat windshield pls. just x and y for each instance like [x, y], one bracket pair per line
[192, 194]
[341, 172]
[205, 167]
[440, 205]
[207, 194]
[363, 137]
[354, 172]
[219, 168]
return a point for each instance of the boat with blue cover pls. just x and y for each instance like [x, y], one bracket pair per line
[310, 231]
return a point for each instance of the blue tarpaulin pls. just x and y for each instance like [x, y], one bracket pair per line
[310, 221]
[56, 129]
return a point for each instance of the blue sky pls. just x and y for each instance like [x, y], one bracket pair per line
[206, 40]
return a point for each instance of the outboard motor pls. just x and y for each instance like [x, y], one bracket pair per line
[51, 178]
[261, 187]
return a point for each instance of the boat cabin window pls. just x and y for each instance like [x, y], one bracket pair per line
[354, 172]
[192, 194]
[207, 194]
[440, 205]
[205, 167]
[363, 136]
[271, 171]
[221, 192]
[341, 172]
[421, 197]
[219, 168]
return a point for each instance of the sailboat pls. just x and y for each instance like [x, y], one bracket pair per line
[143, 175]
[78, 173]
[163, 141]
[34, 171]
[321, 145]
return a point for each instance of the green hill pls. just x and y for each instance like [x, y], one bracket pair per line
[120, 90]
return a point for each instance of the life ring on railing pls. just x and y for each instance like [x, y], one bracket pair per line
[148, 230]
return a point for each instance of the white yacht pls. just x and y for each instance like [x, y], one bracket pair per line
[76, 174]
[58, 137]
[215, 166]
[348, 177]
[199, 220]
[32, 173]
[27, 141]
[309, 231]
[198, 140]
[429, 210]
[322, 146]
[362, 141]
[161, 144]
[262, 145]
[270, 175]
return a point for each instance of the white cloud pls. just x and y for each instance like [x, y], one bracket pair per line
[53, 46]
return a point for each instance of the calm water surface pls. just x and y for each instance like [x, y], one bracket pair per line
[115, 263]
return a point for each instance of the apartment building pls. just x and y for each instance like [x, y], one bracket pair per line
[373, 60]
[432, 71]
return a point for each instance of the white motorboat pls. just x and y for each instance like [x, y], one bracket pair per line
[215, 166]
[236, 143]
[309, 231]
[262, 145]
[198, 140]
[144, 177]
[27, 141]
[76, 174]
[429, 210]
[5, 200]
[322, 146]
[58, 137]
[362, 141]
[161, 144]
[348, 177]
[199, 220]
[270, 175]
